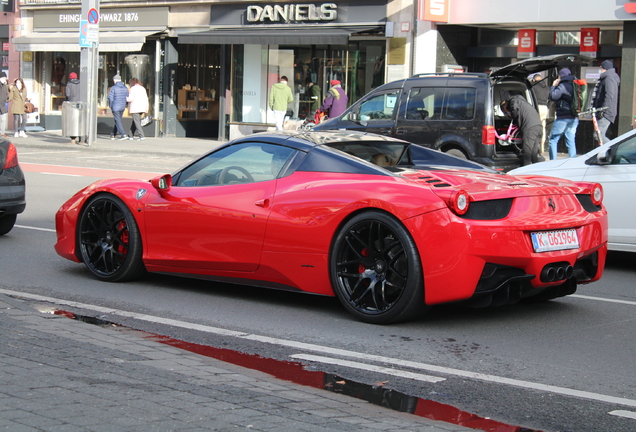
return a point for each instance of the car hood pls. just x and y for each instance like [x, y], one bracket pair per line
[534, 65]
[490, 186]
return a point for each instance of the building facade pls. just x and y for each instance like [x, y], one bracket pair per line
[208, 66]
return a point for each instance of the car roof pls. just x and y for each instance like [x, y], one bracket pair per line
[305, 140]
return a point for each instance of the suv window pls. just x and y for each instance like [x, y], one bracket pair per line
[381, 106]
[459, 104]
[424, 103]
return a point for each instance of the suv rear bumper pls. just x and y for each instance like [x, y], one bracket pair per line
[501, 162]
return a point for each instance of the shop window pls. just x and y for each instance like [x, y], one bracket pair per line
[55, 67]
[567, 38]
[198, 82]
[359, 67]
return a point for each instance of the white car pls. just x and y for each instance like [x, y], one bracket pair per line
[613, 165]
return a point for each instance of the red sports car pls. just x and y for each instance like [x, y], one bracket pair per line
[387, 226]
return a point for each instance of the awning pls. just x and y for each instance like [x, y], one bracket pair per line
[268, 35]
[109, 41]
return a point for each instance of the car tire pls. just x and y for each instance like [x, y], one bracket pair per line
[457, 153]
[375, 269]
[6, 223]
[109, 241]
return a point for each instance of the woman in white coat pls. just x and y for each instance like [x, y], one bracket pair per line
[138, 99]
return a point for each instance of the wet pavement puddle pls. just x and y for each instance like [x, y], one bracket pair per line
[297, 373]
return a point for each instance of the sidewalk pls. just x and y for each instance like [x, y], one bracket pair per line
[59, 374]
[178, 147]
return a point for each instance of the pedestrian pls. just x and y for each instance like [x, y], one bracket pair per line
[18, 97]
[336, 101]
[4, 104]
[566, 123]
[541, 92]
[117, 101]
[606, 95]
[314, 96]
[138, 99]
[280, 95]
[73, 95]
[529, 124]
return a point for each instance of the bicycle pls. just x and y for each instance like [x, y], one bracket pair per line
[510, 137]
[592, 112]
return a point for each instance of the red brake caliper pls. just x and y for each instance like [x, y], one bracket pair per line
[122, 248]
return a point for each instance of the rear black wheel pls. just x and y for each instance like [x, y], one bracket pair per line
[376, 270]
[108, 239]
[6, 223]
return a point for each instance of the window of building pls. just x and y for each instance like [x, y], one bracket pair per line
[359, 67]
[198, 82]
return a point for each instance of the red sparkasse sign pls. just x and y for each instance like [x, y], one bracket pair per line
[630, 7]
[589, 41]
[527, 45]
[433, 10]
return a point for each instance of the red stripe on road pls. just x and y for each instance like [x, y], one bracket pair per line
[88, 172]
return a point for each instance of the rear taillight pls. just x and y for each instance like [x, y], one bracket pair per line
[459, 202]
[488, 135]
[597, 194]
[12, 157]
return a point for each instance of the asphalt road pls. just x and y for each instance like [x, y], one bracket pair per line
[564, 365]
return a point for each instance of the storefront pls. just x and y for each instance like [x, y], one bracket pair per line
[129, 45]
[310, 44]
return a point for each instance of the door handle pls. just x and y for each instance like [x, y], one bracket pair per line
[400, 131]
[385, 131]
[262, 203]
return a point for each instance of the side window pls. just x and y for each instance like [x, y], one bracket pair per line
[459, 104]
[626, 152]
[424, 103]
[378, 107]
[240, 163]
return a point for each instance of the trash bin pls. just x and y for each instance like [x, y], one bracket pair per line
[73, 119]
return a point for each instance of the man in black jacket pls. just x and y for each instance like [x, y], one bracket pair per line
[529, 124]
[606, 95]
[566, 123]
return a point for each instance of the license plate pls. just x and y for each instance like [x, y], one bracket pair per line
[554, 240]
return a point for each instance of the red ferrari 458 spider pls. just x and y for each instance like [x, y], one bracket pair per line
[388, 227]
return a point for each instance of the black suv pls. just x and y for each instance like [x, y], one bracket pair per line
[456, 113]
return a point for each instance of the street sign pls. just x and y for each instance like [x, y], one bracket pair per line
[89, 34]
[93, 16]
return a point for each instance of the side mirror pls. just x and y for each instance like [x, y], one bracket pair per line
[162, 183]
[603, 157]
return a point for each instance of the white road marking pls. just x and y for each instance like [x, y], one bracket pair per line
[60, 174]
[368, 367]
[627, 302]
[334, 351]
[34, 228]
[622, 413]
[56, 152]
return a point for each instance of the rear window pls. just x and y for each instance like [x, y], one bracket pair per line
[434, 103]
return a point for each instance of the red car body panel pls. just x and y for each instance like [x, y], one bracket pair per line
[278, 233]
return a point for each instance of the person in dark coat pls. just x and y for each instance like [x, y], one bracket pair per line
[606, 95]
[529, 124]
[541, 92]
[117, 101]
[4, 105]
[566, 123]
[336, 101]
[314, 96]
[73, 95]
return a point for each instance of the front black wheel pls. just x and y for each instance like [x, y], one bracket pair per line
[108, 239]
[376, 270]
[6, 223]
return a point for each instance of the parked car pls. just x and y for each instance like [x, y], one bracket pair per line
[613, 165]
[456, 113]
[12, 187]
[387, 226]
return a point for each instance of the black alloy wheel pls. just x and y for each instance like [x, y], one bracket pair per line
[6, 223]
[108, 239]
[376, 270]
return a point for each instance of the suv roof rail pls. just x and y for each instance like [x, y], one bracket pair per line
[451, 74]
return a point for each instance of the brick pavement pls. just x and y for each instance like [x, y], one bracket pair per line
[58, 374]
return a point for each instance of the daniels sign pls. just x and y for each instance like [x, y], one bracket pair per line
[292, 12]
